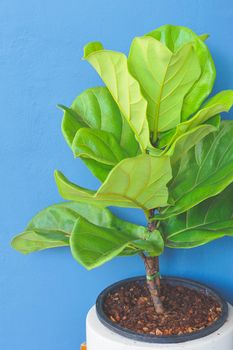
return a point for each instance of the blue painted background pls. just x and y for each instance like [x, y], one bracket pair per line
[44, 297]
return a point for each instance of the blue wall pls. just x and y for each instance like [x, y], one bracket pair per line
[44, 297]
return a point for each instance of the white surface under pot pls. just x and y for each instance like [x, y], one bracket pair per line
[99, 337]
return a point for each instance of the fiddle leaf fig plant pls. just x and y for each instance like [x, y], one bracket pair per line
[155, 140]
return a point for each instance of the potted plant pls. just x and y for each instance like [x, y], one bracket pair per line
[156, 143]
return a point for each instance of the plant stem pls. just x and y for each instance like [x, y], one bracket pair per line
[153, 280]
[152, 272]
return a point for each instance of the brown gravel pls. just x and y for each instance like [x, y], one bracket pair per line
[186, 310]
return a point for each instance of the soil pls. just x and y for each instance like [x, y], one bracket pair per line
[185, 310]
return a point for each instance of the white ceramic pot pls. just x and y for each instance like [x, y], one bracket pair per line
[99, 337]
[103, 334]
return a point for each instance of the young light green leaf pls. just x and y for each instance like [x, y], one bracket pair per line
[204, 36]
[183, 143]
[201, 224]
[98, 145]
[165, 78]
[138, 182]
[175, 37]
[113, 69]
[93, 245]
[222, 102]
[166, 137]
[205, 171]
[92, 47]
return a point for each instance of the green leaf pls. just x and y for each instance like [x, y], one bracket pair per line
[52, 226]
[183, 143]
[73, 192]
[153, 244]
[205, 171]
[204, 36]
[165, 78]
[96, 109]
[113, 69]
[71, 123]
[175, 37]
[92, 47]
[92, 245]
[99, 111]
[98, 145]
[222, 102]
[32, 241]
[99, 170]
[205, 222]
[166, 137]
[138, 182]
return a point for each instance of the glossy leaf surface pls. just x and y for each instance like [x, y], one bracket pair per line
[189, 133]
[92, 245]
[99, 170]
[95, 109]
[138, 182]
[206, 170]
[98, 145]
[113, 69]
[186, 141]
[52, 226]
[165, 78]
[175, 37]
[205, 222]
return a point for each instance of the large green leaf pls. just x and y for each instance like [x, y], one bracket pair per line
[205, 222]
[52, 226]
[92, 245]
[166, 137]
[113, 69]
[206, 170]
[98, 145]
[138, 182]
[222, 102]
[190, 132]
[183, 143]
[165, 78]
[95, 109]
[175, 37]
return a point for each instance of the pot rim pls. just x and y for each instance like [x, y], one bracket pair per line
[147, 338]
